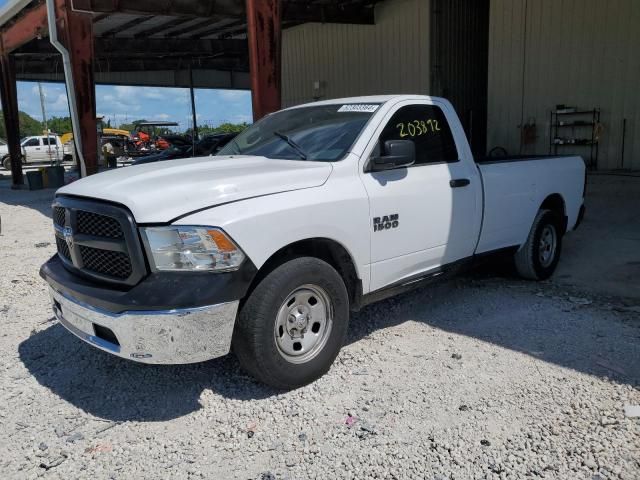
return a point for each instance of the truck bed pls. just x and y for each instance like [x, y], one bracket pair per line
[514, 189]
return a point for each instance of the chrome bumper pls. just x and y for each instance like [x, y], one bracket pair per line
[156, 337]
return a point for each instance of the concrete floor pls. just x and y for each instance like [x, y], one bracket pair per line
[603, 255]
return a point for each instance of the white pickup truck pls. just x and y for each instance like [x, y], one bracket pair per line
[311, 212]
[38, 149]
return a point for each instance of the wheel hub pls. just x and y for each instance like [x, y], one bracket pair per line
[299, 316]
[303, 323]
[547, 246]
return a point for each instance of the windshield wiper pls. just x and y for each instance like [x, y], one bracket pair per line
[292, 144]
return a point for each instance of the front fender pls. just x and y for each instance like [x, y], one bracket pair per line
[338, 211]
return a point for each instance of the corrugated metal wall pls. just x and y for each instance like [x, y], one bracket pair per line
[391, 56]
[574, 52]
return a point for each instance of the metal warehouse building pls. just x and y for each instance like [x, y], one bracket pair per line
[503, 63]
[507, 65]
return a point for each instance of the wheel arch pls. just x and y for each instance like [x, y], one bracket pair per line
[331, 251]
[555, 202]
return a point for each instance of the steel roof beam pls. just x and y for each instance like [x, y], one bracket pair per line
[176, 22]
[195, 26]
[31, 24]
[123, 47]
[126, 26]
[174, 8]
[223, 30]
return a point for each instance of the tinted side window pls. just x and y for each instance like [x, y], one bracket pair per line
[33, 142]
[427, 127]
[49, 141]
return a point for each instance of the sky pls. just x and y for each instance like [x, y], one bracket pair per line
[123, 104]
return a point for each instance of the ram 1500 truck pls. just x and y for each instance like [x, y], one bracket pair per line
[311, 212]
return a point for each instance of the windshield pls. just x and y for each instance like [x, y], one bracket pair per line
[323, 133]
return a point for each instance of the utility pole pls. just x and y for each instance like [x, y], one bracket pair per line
[193, 111]
[46, 128]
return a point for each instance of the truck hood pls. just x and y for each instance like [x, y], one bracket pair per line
[160, 192]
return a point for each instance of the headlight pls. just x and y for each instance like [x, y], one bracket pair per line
[180, 248]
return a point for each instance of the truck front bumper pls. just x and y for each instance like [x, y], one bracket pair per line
[168, 318]
[179, 336]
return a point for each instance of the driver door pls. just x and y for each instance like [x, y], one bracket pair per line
[420, 221]
[33, 150]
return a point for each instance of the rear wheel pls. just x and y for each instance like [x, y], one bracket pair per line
[538, 258]
[293, 324]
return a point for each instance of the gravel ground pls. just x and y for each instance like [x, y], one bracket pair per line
[481, 377]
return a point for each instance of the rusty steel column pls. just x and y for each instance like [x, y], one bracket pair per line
[264, 35]
[75, 31]
[11, 118]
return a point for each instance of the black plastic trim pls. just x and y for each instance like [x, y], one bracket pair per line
[580, 217]
[420, 280]
[158, 291]
[414, 282]
[459, 182]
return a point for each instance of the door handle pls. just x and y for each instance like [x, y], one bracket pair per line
[459, 182]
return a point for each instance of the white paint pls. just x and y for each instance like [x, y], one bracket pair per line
[514, 192]
[162, 191]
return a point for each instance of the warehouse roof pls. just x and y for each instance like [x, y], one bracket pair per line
[169, 36]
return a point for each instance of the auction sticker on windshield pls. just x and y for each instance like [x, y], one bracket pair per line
[359, 107]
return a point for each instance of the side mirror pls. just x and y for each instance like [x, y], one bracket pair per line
[397, 154]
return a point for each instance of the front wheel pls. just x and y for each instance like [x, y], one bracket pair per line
[6, 162]
[293, 324]
[538, 258]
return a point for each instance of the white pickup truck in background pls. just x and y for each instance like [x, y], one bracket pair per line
[309, 213]
[37, 149]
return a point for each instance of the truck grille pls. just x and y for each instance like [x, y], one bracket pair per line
[63, 249]
[115, 264]
[98, 240]
[59, 216]
[98, 225]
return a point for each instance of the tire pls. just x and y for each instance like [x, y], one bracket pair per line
[538, 258]
[6, 163]
[285, 309]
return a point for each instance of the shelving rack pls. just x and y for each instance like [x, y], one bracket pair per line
[570, 121]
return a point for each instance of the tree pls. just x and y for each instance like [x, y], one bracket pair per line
[222, 128]
[59, 125]
[28, 125]
[129, 127]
